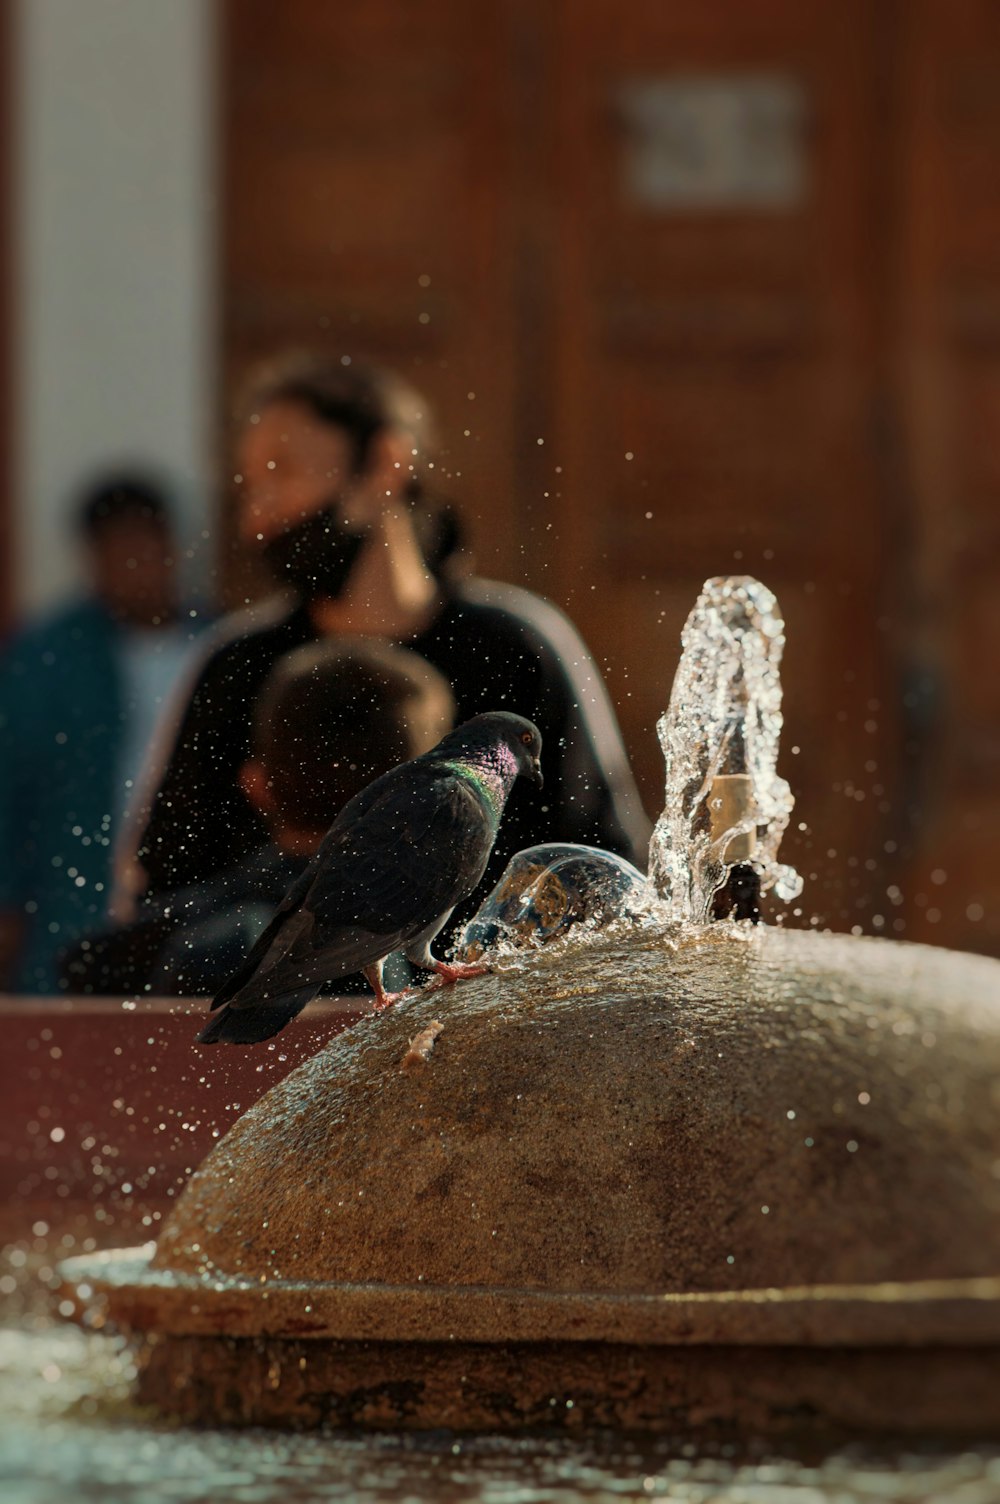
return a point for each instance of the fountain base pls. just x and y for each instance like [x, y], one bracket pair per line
[906, 1359]
[737, 1181]
[727, 1391]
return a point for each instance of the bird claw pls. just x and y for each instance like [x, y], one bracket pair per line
[449, 972]
[386, 999]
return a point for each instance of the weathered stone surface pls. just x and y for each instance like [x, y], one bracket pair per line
[709, 1391]
[734, 1112]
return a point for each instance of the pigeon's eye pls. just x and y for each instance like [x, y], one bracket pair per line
[526, 738]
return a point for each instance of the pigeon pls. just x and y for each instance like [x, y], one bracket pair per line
[397, 859]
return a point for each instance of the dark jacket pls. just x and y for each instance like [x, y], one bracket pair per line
[498, 647]
[186, 944]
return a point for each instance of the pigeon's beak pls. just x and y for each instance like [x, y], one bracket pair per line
[536, 773]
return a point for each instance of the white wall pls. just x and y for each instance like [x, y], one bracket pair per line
[114, 257]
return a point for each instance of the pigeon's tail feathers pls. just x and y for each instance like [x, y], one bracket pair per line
[251, 1025]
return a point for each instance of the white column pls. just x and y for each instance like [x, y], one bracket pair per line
[114, 260]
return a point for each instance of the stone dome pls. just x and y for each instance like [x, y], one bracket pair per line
[631, 1113]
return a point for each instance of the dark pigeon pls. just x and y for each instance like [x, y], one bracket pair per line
[395, 862]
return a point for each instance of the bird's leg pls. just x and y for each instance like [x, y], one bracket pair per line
[454, 971]
[447, 971]
[383, 999]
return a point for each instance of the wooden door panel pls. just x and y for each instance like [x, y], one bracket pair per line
[948, 360]
[728, 351]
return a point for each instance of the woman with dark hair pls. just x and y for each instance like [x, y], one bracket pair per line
[331, 461]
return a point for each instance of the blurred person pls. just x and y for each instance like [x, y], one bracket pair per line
[331, 717]
[331, 463]
[80, 690]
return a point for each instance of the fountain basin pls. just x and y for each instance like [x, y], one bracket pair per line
[735, 1180]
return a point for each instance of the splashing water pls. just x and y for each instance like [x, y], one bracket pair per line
[724, 800]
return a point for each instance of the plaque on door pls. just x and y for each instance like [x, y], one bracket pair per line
[714, 142]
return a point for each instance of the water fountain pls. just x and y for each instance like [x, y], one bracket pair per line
[654, 1173]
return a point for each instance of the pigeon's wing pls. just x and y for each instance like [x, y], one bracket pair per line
[275, 939]
[377, 881]
[283, 916]
[419, 847]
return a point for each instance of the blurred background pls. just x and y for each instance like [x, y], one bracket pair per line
[696, 287]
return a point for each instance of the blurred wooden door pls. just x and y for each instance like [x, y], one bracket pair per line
[718, 367]
[670, 274]
[947, 375]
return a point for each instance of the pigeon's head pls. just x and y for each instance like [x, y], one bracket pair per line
[486, 734]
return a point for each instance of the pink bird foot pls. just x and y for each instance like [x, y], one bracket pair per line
[455, 971]
[387, 999]
[383, 999]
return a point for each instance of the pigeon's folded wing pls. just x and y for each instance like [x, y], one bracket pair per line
[420, 848]
[289, 906]
[377, 882]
